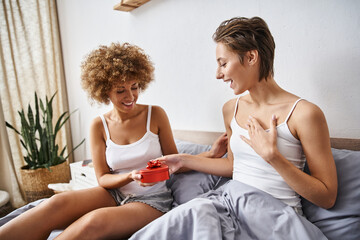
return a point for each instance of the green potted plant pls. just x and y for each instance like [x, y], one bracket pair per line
[45, 162]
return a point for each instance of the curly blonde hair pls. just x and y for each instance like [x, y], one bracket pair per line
[108, 66]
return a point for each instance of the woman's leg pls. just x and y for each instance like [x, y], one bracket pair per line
[57, 212]
[112, 222]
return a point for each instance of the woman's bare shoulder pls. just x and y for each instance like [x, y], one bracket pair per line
[97, 130]
[308, 117]
[158, 116]
[156, 109]
[228, 110]
[96, 122]
[306, 109]
[229, 106]
[158, 113]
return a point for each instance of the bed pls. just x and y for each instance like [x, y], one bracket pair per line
[340, 222]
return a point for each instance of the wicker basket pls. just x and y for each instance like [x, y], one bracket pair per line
[35, 182]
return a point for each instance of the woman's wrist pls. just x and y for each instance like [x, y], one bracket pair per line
[182, 159]
[208, 154]
[273, 156]
[130, 176]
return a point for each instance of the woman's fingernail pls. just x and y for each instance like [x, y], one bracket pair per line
[273, 117]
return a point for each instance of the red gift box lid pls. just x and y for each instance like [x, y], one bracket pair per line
[163, 168]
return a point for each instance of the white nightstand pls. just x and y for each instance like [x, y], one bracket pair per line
[82, 176]
[5, 205]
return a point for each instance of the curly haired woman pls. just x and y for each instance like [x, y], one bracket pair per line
[122, 141]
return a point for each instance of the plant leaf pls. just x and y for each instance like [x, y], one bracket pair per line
[11, 127]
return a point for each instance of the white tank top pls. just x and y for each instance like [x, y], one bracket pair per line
[134, 156]
[251, 169]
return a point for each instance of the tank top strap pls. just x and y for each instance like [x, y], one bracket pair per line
[292, 109]
[148, 119]
[236, 105]
[105, 127]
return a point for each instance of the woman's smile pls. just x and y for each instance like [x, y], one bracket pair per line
[129, 104]
[230, 82]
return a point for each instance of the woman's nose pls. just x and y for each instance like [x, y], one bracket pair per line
[219, 74]
[129, 95]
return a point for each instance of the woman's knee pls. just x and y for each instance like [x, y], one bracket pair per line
[93, 224]
[58, 202]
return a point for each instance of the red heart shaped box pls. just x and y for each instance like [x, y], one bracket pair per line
[157, 174]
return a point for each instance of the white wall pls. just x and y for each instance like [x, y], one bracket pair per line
[317, 56]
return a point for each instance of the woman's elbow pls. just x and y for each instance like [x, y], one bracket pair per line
[102, 182]
[330, 200]
[329, 204]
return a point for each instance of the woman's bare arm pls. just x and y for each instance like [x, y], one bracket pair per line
[206, 162]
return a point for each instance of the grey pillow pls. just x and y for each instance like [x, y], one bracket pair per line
[190, 147]
[343, 220]
[188, 185]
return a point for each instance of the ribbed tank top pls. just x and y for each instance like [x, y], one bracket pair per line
[134, 156]
[251, 169]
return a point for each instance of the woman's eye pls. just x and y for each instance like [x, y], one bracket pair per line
[223, 65]
[119, 91]
[134, 88]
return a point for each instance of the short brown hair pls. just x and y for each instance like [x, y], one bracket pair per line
[107, 66]
[242, 34]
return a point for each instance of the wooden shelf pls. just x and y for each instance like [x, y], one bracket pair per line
[129, 5]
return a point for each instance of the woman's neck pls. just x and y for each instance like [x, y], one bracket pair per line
[265, 91]
[122, 116]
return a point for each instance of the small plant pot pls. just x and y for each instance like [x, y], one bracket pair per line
[150, 175]
[35, 182]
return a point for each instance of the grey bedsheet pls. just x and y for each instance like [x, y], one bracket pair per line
[234, 211]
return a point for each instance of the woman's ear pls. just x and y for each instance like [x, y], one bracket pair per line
[252, 57]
